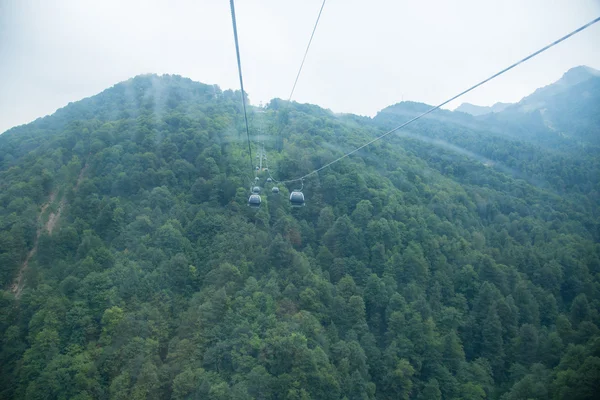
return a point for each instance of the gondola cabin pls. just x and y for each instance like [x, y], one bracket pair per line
[254, 201]
[297, 198]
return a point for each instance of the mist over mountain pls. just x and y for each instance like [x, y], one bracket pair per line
[565, 112]
[457, 258]
[537, 100]
[569, 82]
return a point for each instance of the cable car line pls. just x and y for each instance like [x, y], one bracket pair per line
[254, 200]
[532, 55]
[306, 52]
[297, 77]
[239, 64]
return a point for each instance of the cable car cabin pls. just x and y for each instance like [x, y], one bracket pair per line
[275, 189]
[257, 167]
[256, 179]
[269, 180]
[297, 198]
[254, 201]
[256, 190]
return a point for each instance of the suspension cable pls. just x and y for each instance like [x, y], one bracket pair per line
[581, 28]
[306, 52]
[239, 64]
[299, 71]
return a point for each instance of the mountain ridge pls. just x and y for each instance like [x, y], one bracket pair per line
[476, 110]
[570, 78]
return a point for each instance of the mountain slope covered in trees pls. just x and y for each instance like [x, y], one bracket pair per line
[457, 260]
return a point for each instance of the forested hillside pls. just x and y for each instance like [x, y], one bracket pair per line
[458, 259]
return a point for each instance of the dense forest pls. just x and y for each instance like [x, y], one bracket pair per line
[457, 259]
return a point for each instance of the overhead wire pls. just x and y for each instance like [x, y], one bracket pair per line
[306, 51]
[543, 49]
[239, 64]
[300, 70]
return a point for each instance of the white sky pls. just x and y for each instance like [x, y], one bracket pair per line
[366, 54]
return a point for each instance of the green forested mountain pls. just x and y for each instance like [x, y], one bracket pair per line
[458, 259]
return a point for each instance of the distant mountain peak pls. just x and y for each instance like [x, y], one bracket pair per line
[535, 100]
[578, 74]
[572, 77]
[476, 110]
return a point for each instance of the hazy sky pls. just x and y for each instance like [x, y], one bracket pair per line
[366, 54]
